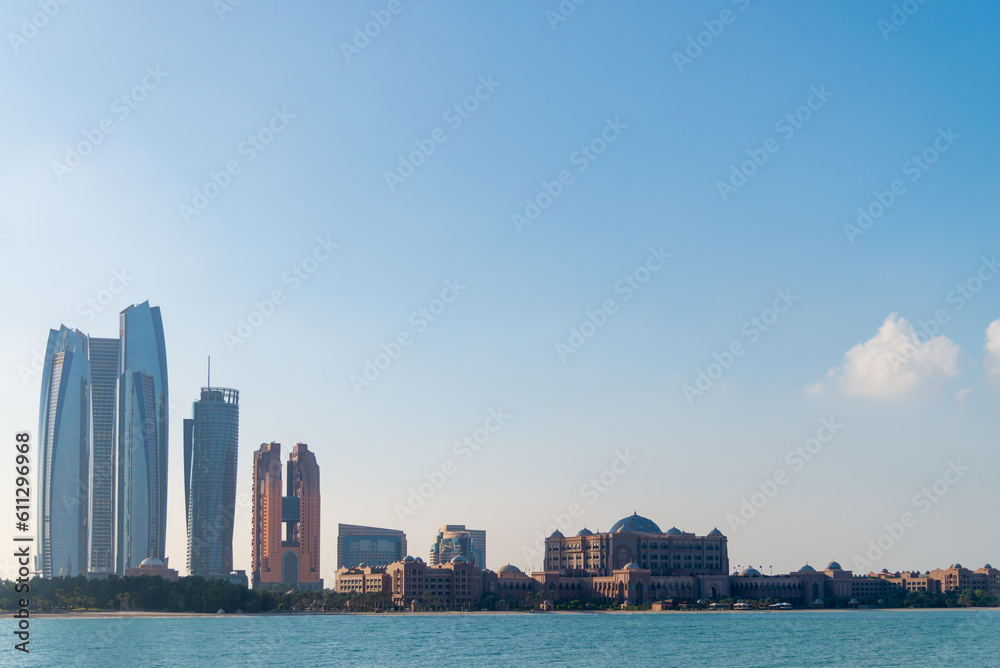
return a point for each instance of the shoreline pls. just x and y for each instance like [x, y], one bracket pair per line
[116, 614]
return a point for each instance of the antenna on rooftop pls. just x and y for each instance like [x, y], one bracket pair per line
[210, 372]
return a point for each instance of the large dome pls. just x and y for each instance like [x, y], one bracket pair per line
[636, 524]
[151, 561]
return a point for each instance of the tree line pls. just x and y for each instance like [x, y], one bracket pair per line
[147, 593]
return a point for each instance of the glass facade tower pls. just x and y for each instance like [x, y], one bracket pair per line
[211, 440]
[369, 545]
[454, 540]
[104, 382]
[141, 438]
[64, 454]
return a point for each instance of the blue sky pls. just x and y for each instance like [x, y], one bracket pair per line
[345, 122]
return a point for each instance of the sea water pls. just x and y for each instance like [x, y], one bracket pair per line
[787, 638]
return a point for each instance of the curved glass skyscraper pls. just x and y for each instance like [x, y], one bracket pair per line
[141, 438]
[211, 439]
[64, 454]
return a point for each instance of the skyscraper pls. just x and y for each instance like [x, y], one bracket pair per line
[454, 540]
[211, 440]
[141, 435]
[290, 558]
[64, 454]
[104, 382]
[370, 545]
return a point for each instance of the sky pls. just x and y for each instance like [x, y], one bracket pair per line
[723, 264]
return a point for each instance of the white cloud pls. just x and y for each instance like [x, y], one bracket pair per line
[992, 361]
[961, 395]
[814, 389]
[894, 362]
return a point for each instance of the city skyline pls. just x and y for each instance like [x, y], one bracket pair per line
[616, 279]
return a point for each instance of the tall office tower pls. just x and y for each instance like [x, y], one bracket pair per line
[266, 536]
[454, 540]
[478, 547]
[211, 439]
[104, 382]
[370, 545]
[64, 454]
[286, 529]
[141, 438]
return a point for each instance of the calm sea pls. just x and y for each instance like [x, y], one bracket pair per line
[833, 638]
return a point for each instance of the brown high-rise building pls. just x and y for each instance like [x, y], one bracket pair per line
[286, 528]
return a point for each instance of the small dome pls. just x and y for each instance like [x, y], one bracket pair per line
[833, 566]
[557, 534]
[151, 561]
[987, 566]
[953, 565]
[459, 560]
[419, 560]
[509, 569]
[750, 573]
[807, 569]
[674, 531]
[363, 564]
[632, 566]
[635, 524]
[585, 532]
[715, 532]
[408, 559]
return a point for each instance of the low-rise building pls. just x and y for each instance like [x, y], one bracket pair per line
[457, 585]
[153, 566]
[363, 579]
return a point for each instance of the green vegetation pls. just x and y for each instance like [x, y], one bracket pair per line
[952, 599]
[191, 594]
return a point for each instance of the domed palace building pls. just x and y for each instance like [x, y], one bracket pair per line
[636, 562]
